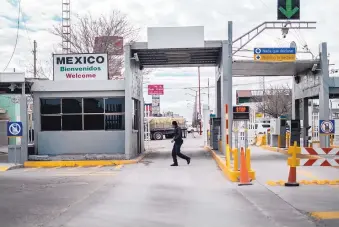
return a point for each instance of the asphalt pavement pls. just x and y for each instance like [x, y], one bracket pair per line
[150, 194]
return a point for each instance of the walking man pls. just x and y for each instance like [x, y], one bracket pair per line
[178, 141]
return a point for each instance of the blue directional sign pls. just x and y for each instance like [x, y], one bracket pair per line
[275, 54]
[14, 129]
[326, 127]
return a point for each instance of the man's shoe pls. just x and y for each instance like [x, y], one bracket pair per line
[188, 161]
[174, 164]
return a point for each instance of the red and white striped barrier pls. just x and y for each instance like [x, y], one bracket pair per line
[319, 162]
[319, 151]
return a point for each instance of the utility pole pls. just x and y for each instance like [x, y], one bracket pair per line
[34, 56]
[208, 93]
[199, 102]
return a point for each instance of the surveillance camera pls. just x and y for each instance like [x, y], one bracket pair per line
[141, 67]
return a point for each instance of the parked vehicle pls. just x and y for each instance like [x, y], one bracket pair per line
[162, 126]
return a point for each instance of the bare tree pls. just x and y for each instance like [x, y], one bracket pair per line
[44, 69]
[275, 101]
[87, 30]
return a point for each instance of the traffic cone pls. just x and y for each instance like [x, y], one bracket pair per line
[292, 178]
[244, 178]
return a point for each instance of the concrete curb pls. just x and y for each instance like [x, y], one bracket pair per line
[6, 168]
[233, 176]
[81, 163]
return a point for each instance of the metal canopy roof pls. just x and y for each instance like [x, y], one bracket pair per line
[255, 68]
[183, 57]
[210, 56]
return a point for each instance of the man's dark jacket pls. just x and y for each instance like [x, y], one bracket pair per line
[177, 135]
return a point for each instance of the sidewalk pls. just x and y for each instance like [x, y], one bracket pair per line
[4, 149]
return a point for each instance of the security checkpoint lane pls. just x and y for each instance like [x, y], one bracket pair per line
[152, 193]
[314, 198]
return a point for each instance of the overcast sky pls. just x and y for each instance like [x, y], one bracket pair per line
[39, 16]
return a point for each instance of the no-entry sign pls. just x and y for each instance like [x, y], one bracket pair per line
[155, 89]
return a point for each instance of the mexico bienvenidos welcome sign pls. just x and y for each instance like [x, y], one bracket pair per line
[80, 67]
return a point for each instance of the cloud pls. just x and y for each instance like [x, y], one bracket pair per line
[38, 17]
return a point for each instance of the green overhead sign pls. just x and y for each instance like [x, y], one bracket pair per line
[288, 9]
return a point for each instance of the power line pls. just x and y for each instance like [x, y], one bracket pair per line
[235, 85]
[17, 36]
[25, 26]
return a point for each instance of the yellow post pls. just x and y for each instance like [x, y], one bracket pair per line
[279, 140]
[264, 140]
[248, 158]
[331, 139]
[236, 159]
[294, 154]
[228, 157]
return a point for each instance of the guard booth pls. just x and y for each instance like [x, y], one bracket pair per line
[85, 114]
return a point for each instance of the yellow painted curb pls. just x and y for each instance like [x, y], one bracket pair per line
[3, 168]
[325, 215]
[305, 182]
[80, 163]
[230, 174]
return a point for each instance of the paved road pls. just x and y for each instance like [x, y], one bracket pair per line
[149, 194]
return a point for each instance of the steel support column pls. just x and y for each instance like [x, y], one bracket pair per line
[226, 88]
[24, 120]
[305, 121]
[128, 102]
[324, 92]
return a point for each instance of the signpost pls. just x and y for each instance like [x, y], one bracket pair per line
[288, 9]
[275, 54]
[326, 127]
[241, 112]
[155, 89]
[14, 129]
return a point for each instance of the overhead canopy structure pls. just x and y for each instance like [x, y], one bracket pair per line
[255, 68]
[210, 56]
[178, 57]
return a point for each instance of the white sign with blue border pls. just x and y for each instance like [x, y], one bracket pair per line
[14, 129]
[326, 127]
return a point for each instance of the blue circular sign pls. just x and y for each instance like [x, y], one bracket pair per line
[257, 50]
[14, 129]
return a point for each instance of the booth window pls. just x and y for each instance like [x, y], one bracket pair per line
[72, 114]
[71, 109]
[50, 114]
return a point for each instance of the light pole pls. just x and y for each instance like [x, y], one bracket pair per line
[199, 103]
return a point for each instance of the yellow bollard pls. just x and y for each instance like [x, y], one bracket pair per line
[279, 142]
[236, 159]
[248, 159]
[228, 157]
[264, 138]
[288, 140]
